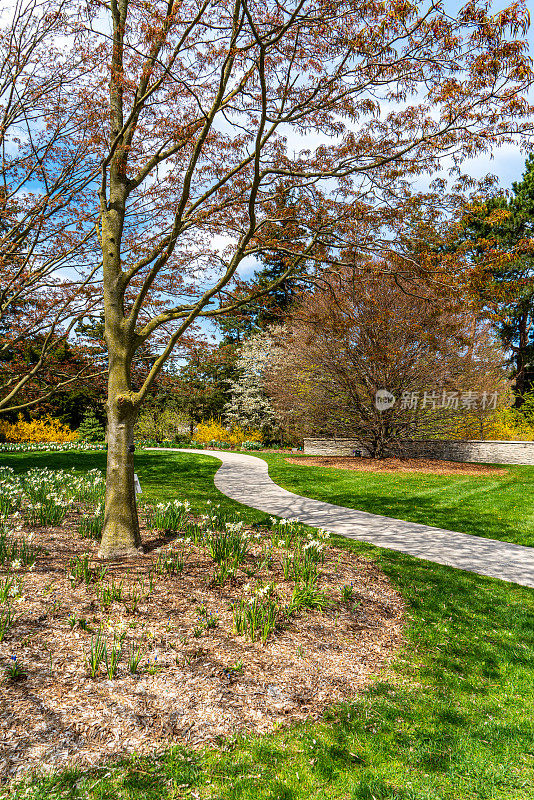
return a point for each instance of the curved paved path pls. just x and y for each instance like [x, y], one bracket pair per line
[245, 478]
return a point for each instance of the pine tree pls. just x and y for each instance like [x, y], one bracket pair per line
[90, 429]
[273, 307]
[501, 232]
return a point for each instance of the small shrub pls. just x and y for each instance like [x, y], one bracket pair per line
[90, 429]
[214, 432]
[161, 426]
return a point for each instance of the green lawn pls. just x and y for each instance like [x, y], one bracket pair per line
[163, 475]
[495, 506]
[451, 719]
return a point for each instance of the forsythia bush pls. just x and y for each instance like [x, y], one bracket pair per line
[214, 431]
[46, 429]
[507, 424]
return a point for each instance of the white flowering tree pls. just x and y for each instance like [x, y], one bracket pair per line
[249, 406]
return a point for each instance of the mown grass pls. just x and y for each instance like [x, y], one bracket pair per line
[494, 506]
[163, 475]
[452, 718]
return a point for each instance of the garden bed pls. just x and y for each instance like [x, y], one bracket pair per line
[398, 465]
[196, 680]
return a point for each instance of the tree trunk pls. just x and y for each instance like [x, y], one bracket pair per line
[120, 536]
[519, 383]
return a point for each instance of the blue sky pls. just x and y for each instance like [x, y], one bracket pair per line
[507, 164]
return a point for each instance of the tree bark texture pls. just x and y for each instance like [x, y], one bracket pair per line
[120, 536]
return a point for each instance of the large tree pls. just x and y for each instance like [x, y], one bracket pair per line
[47, 220]
[359, 337]
[496, 236]
[274, 304]
[192, 111]
[248, 406]
[200, 387]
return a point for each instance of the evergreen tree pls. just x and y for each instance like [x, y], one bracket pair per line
[500, 233]
[200, 386]
[90, 429]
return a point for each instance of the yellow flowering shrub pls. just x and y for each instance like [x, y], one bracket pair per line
[506, 424]
[214, 431]
[46, 429]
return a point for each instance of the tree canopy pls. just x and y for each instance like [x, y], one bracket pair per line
[199, 113]
[497, 236]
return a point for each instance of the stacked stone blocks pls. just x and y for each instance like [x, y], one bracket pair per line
[474, 451]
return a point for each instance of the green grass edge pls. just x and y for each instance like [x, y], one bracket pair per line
[451, 717]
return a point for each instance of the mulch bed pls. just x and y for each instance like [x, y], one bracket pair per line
[188, 689]
[398, 465]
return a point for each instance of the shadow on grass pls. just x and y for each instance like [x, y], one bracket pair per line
[452, 717]
[492, 507]
[163, 475]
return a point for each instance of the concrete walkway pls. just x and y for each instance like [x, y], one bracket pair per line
[245, 478]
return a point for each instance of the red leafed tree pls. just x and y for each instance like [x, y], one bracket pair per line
[47, 218]
[202, 109]
[367, 331]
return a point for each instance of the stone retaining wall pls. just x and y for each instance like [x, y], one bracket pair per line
[476, 451]
[333, 447]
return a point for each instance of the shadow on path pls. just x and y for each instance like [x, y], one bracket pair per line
[245, 478]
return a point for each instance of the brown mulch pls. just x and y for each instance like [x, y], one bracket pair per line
[186, 690]
[398, 465]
